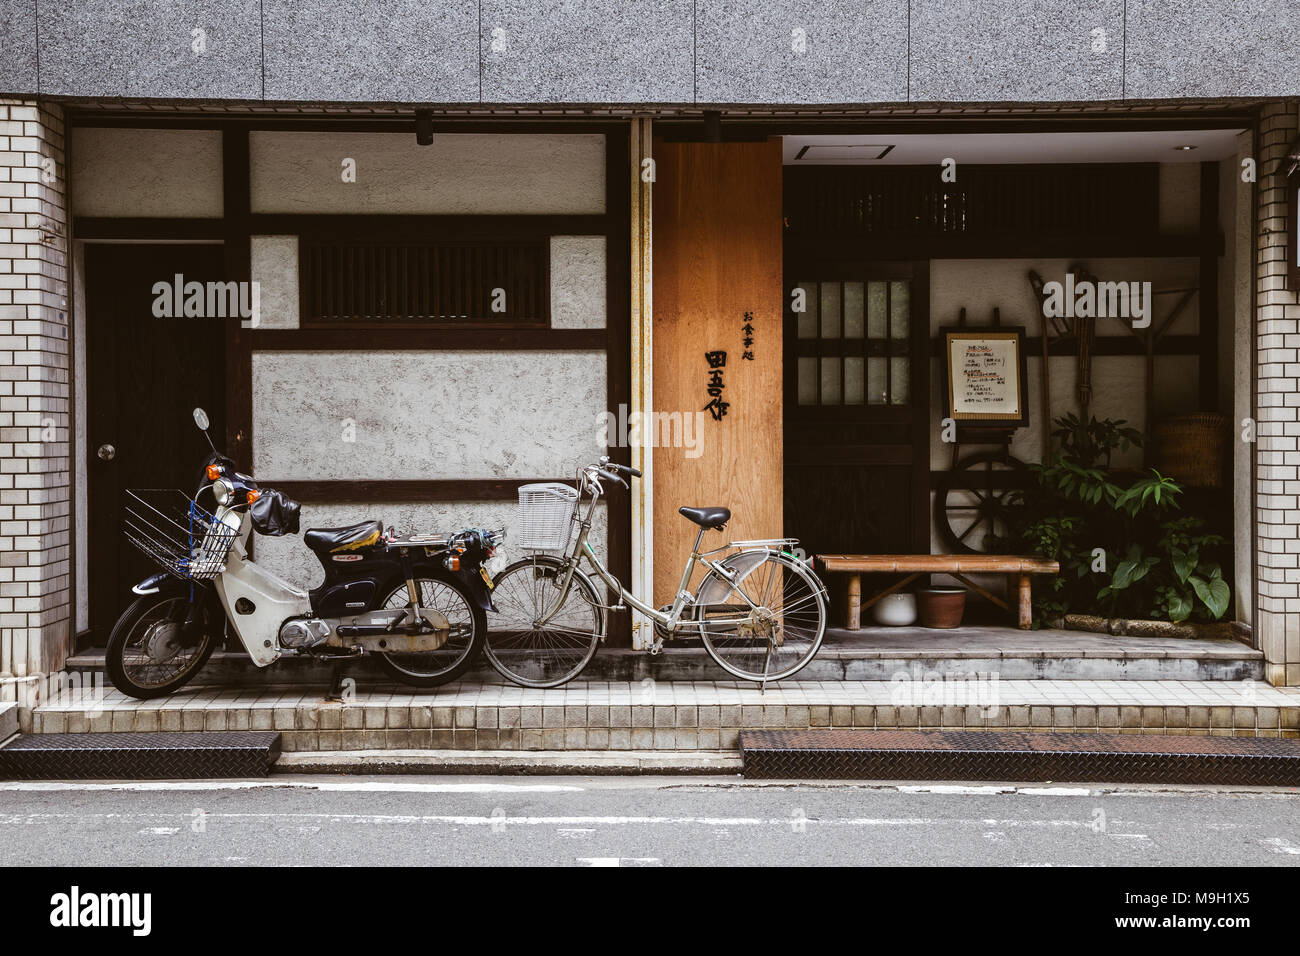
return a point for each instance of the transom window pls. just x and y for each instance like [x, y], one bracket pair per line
[858, 333]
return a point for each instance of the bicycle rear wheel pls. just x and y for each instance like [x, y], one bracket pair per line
[550, 654]
[765, 623]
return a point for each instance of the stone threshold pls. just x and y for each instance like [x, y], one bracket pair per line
[685, 716]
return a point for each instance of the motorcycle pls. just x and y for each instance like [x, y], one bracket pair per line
[416, 602]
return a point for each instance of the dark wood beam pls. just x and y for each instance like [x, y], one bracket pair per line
[425, 338]
[385, 492]
[1208, 297]
[399, 226]
[1109, 345]
[955, 246]
[236, 198]
[102, 228]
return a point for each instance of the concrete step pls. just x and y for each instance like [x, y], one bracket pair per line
[138, 756]
[868, 654]
[693, 716]
[1058, 757]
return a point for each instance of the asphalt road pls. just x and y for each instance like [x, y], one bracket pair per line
[646, 821]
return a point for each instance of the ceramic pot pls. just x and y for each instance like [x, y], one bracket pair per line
[941, 607]
[895, 610]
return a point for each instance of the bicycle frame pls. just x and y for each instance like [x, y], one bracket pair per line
[590, 486]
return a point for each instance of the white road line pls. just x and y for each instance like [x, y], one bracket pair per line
[952, 788]
[1281, 845]
[376, 786]
[618, 860]
[25, 819]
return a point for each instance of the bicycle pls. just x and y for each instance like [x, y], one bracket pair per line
[759, 611]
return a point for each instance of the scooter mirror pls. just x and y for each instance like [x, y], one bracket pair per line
[201, 419]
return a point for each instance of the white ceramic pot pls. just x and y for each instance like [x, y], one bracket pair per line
[895, 610]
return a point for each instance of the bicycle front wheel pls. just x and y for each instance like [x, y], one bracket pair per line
[767, 621]
[527, 651]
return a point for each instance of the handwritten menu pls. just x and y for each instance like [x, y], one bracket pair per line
[985, 377]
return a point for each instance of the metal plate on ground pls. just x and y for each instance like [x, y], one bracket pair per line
[146, 756]
[992, 755]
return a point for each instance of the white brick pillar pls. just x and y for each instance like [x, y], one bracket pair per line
[1277, 363]
[34, 401]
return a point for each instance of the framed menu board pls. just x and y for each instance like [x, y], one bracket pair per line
[985, 376]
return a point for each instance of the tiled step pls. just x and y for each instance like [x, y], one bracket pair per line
[688, 716]
[8, 720]
[1000, 755]
[869, 654]
[138, 756]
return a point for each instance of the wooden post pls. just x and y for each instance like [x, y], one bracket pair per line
[1026, 603]
[855, 602]
[642, 342]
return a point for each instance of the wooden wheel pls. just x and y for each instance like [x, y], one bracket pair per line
[971, 500]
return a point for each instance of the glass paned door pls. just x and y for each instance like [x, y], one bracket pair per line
[856, 406]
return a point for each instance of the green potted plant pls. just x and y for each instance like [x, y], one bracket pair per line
[1124, 547]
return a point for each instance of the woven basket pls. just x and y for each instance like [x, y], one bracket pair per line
[1192, 449]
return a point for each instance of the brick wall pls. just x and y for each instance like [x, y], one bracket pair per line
[34, 398]
[1277, 317]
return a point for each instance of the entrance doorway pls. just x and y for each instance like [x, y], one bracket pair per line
[857, 392]
[145, 375]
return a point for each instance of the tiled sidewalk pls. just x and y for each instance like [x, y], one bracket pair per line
[686, 716]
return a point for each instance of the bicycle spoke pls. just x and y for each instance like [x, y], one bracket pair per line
[549, 654]
[775, 641]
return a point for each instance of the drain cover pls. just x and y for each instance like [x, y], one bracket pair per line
[991, 755]
[149, 756]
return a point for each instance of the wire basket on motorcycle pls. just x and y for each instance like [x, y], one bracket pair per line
[179, 536]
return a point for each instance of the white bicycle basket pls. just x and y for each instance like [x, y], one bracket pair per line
[546, 512]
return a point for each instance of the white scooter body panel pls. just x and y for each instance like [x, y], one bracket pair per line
[273, 598]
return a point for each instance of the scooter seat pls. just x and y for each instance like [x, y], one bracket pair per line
[352, 538]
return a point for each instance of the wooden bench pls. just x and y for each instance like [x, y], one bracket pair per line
[1017, 568]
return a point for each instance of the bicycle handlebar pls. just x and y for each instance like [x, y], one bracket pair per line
[605, 463]
[605, 473]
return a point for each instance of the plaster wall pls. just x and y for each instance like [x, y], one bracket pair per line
[152, 173]
[426, 415]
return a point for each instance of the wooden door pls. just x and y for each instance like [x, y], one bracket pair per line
[145, 377]
[717, 274]
[857, 398]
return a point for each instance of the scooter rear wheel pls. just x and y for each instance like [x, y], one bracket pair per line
[463, 646]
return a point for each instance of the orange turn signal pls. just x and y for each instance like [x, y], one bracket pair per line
[253, 496]
[214, 472]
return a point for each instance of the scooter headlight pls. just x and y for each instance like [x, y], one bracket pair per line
[223, 491]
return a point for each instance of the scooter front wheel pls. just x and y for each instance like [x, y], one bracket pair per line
[149, 653]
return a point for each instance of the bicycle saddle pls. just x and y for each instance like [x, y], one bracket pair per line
[707, 517]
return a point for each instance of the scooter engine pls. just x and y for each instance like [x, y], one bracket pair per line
[304, 632]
